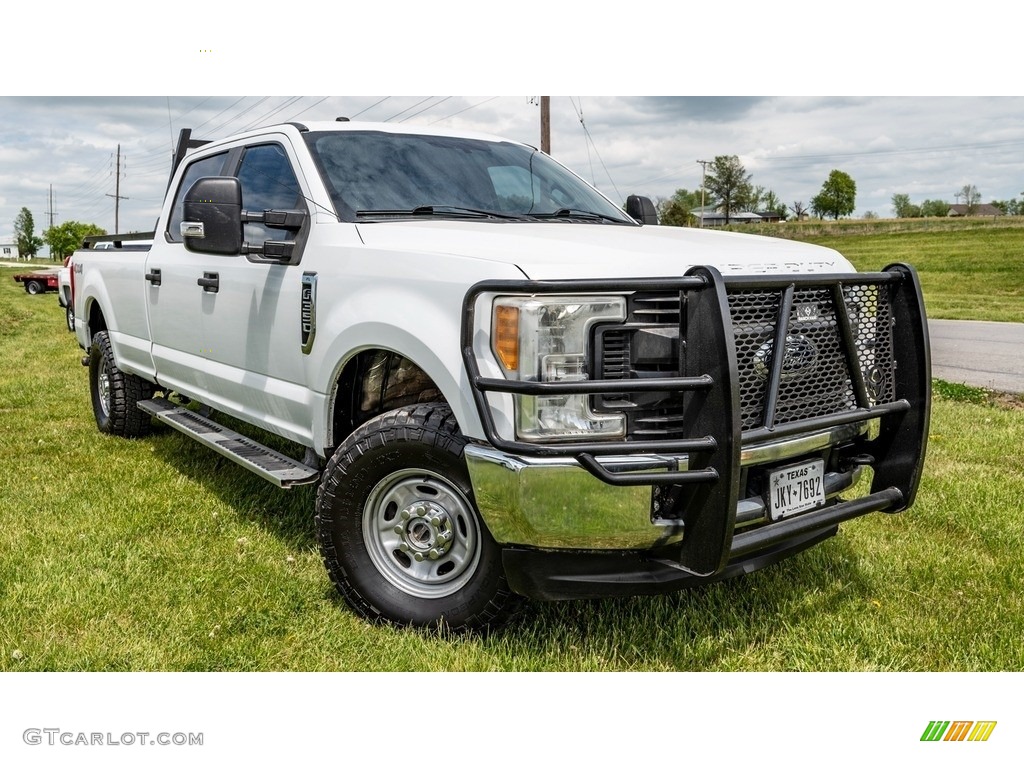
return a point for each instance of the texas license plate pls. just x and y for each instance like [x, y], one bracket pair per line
[796, 489]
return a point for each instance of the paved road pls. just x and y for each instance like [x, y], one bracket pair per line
[982, 354]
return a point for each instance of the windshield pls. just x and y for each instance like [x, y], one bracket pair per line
[373, 175]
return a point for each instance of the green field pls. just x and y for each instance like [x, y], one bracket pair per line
[157, 555]
[970, 269]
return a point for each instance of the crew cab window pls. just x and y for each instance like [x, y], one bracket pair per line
[208, 166]
[268, 182]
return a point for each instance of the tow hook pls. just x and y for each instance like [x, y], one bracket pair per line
[85, 361]
[861, 460]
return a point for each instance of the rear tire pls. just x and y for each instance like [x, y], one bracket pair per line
[33, 287]
[116, 394]
[398, 529]
[69, 313]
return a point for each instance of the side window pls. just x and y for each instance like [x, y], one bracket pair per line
[268, 181]
[208, 166]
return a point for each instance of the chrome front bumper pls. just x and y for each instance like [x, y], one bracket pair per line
[552, 502]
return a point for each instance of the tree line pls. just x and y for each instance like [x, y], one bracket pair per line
[728, 188]
[967, 196]
[63, 238]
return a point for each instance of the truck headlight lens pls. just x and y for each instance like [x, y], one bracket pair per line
[545, 339]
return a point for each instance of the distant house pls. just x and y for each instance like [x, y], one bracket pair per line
[710, 217]
[769, 217]
[981, 209]
[9, 250]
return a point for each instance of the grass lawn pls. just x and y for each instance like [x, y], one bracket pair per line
[970, 270]
[158, 555]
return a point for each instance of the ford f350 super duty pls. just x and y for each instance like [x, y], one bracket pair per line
[503, 383]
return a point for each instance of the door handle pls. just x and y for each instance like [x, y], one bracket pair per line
[153, 277]
[210, 282]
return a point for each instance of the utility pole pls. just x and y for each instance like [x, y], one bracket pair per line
[117, 193]
[703, 174]
[51, 212]
[545, 124]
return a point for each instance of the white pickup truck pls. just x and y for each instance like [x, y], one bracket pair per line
[504, 384]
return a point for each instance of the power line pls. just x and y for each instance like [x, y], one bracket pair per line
[104, 165]
[597, 152]
[473, 106]
[267, 115]
[590, 162]
[230, 106]
[431, 106]
[388, 120]
[357, 114]
[315, 103]
[230, 120]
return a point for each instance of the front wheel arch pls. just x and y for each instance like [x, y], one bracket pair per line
[376, 381]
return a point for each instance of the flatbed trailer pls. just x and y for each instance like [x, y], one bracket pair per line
[38, 282]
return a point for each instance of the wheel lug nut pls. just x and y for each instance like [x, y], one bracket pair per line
[404, 547]
[399, 530]
[418, 557]
[405, 514]
[434, 554]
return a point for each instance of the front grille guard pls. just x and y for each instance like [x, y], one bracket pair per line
[712, 419]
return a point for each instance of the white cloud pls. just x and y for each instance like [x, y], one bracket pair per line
[925, 146]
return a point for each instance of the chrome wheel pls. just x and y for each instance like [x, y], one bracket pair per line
[103, 386]
[421, 533]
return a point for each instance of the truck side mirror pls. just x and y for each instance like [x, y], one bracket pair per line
[641, 209]
[212, 220]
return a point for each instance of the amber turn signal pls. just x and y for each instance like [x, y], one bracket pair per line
[506, 336]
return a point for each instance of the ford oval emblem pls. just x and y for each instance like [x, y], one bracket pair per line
[799, 359]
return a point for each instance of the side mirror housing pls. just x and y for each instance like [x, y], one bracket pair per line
[641, 209]
[212, 216]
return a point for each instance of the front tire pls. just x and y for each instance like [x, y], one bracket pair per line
[398, 529]
[116, 394]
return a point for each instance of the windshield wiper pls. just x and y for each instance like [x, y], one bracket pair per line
[444, 210]
[576, 213]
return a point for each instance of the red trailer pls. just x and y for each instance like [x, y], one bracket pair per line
[38, 282]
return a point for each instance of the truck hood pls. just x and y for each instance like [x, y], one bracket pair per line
[562, 250]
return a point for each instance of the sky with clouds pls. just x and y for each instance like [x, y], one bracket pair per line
[178, 70]
[926, 147]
